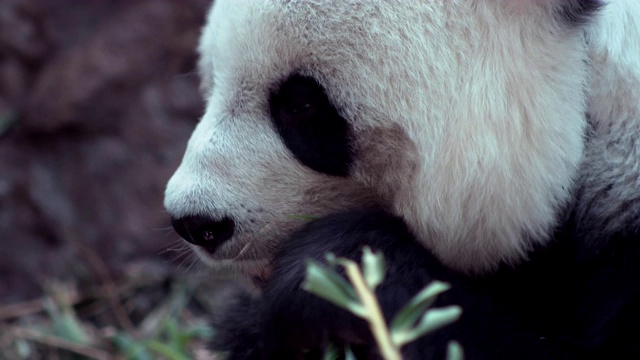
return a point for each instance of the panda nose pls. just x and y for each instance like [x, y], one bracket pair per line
[204, 231]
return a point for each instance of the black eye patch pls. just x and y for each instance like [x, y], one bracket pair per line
[310, 126]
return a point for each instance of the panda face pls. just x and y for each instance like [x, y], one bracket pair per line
[464, 117]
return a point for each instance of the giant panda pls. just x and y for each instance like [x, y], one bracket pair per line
[492, 144]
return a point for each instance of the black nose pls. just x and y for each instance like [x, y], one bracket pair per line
[204, 231]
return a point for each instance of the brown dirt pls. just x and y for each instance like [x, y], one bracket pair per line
[97, 100]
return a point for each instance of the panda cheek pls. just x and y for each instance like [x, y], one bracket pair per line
[311, 127]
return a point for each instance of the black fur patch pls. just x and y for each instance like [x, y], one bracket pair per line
[579, 12]
[567, 302]
[311, 127]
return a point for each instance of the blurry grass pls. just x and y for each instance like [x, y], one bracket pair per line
[7, 120]
[166, 318]
[152, 311]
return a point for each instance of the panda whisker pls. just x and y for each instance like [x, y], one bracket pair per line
[190, 237]
[179, 248]
[181, 254]
[186, 74]
[166, 228]
[268, 226]
[244, 248]
[191, 259]
[192, 263]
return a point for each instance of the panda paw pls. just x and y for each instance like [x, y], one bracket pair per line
[287, 322]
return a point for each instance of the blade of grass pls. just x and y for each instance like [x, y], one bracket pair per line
[165, 350]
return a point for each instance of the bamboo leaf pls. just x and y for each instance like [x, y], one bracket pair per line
[373, 267]
[327, 284]
[331, 352]
[302, 217]
[410, 313]
[348, 354]
[333, 260]
[454, 351]
[432, 320]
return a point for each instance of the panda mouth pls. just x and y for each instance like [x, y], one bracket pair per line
[225, 253]
[254, 267]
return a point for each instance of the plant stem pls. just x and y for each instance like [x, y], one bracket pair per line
[374, 314]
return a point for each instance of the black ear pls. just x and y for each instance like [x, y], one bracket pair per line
[578, 12]
[310, 126]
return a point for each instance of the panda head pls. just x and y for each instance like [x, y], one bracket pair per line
[466, 118]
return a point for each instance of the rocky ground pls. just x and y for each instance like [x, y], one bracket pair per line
[97, 101]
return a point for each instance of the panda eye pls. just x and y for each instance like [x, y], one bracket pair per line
[299, 108]
[299, 97]
[310, 126]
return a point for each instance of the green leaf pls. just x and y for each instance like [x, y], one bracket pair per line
[454, 351]
[333, 260]
[173, 334]
[303, 217]
[348, 354]
[132, 349]
[166, 350]
[410, 313]
[327, 284]
[373, 267]
[7, 120]
[331, 352]
[65, 324]
[200, 331]
[432, 320]
[24, 349]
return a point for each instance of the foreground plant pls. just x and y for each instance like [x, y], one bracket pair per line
[357, 296]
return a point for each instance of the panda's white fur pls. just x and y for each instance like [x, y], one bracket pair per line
[468, 118]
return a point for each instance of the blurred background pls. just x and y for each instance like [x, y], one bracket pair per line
[97, 101]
